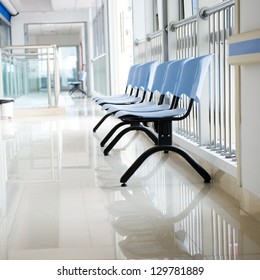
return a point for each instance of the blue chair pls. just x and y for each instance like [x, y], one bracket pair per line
[168, 87]
[155, 95]
[129, 85]
[142, 82]
[77, 85]
[156, 89]
[190, 84]
[143, 76]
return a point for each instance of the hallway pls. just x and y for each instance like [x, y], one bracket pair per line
[63, 200]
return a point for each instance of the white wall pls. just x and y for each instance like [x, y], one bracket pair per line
[250, 100]
[139, 29]
[59, 40]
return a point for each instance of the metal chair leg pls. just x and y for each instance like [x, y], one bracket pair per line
[138, 162]
[111, 132]
[138, 127]
[101, 121]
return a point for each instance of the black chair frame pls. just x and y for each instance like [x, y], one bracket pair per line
[164, 126]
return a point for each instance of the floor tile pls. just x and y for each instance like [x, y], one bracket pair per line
[61, 198]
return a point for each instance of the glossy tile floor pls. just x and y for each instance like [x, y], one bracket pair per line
[60, 197]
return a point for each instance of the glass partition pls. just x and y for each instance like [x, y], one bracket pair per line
[31, 72]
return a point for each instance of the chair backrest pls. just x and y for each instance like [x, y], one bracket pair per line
[83, 76]
[153, 68]
[159, 76]
[131, 73]
[146, 75]
[192, 77]
[173, 75]
[136, 73]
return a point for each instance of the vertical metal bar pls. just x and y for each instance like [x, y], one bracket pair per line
[192, 39]
[56, 76]
[191, 116]
[219, 86]
[189, 39]
[1, 76]
[8, 64]
[224, 82]
[197, 122]
[230, 152]
[211, 89]
[196, 38]
[229, 89]
[185, 121]
[49, 78]
[182, 41]
[214, 82]
[177, 43]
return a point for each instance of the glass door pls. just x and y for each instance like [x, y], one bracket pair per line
[68, 65]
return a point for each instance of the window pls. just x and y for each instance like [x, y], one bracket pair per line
[187, 8]
[5, 38]
[99, 35]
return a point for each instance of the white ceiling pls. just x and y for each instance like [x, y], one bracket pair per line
[54, 29]
[53, 6]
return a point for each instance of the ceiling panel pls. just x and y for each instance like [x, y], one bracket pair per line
[32, 5]
[51, 5]
[55, 29]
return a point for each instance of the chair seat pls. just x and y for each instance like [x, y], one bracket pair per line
[110, 97]
[131, 107]
[120, 101]
[152, 115]
[75, 83]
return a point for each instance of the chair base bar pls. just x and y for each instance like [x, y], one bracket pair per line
[133, 127]
[101, 121]
[79, 89]
[111, 132]
[131, 170]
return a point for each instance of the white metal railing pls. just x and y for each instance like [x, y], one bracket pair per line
[222, 96]
[221, 115]
[156, 45]
[150, 48]
[187, 46]
[140, 51]
[186, 33]
[214, 125]
[18, 62]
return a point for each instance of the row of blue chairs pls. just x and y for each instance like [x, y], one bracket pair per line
[152, 95]
[138, 84]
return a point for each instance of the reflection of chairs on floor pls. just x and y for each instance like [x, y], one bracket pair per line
[150, 234]
[78, 85]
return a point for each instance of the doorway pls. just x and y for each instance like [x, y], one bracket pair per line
[71, 57]
[68, 65]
